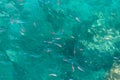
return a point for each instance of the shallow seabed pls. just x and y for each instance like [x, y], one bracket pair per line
[59, 39]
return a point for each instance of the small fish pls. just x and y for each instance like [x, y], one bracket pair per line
[79, 68]
[107, 38]
[22, 29]
[55, 75]
[12, 21]
[74, 52]
[22, 33]
[19, 21]
[58, 45]
[115, 57]
[85, 61]
[81, 49]
[77, 19]
[65, 60]
[63, 31]
[73, 68]
[48, 50]
[34, 24]
[72, 37]
[45, 41]
[57, 38]
[53, 33]
[49, 42]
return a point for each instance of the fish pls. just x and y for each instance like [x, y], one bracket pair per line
[72, 37]
[48, 42]
[53, 33]
[73, 68]
[22, 29]
[54, 75]
[65, 60]
[57, 38]
[48, 50]
[79, 68]
[22, 32]
[74, 51]
[19, 21]
[81, 49]
[58, 45]
[12, 21]
[77, 19]
[34, 24]
[115, 57]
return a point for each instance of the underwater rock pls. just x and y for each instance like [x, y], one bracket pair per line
[114, 72]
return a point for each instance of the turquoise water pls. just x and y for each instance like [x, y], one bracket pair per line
[59, 39]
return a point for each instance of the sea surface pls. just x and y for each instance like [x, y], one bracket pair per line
[59, 39]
